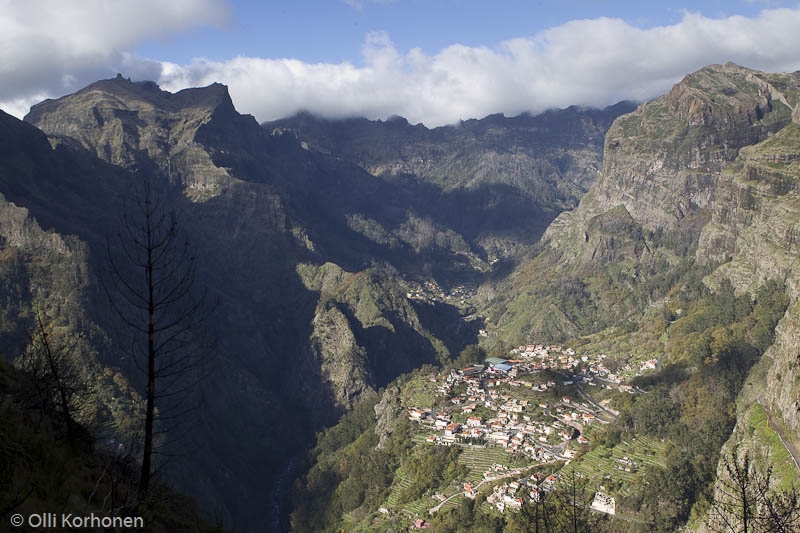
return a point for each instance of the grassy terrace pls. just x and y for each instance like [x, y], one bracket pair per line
[779, 458]
[418, 507]
[477, 461]
[601, 461]
[420, 392]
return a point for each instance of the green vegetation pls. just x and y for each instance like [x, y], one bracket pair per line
[691, 402]
[658, 458]
[430, 468]
[745, 499]
[778, 457]
[348, 471]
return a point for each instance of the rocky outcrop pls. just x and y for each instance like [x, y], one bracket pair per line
[388, 335]
[139, 126]
[386, 412]
[343, 363]
[664, 162]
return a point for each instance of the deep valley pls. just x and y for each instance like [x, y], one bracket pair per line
[613, 293]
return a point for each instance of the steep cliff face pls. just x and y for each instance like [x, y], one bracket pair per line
[137, 125]
[663, 161]
[366, 330]
[704, 180]
[676, 189]
[46, 273]
[752, 200]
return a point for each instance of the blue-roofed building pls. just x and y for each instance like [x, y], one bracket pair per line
[502, 367]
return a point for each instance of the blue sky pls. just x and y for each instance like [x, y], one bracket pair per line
[333, 30]
[433, 61]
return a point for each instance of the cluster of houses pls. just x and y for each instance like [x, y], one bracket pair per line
[430, 292]
[626, 464]
[515, 494]
[482, 409]
[585, 367]
[512, 424]
[604, 503]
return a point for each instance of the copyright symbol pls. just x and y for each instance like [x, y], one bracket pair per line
[17, 520]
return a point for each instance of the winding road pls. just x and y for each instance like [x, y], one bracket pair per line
[487, 480]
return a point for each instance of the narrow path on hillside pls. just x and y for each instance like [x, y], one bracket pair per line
[777, 429]
[591, 401]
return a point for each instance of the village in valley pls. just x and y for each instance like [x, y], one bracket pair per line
[519, 421]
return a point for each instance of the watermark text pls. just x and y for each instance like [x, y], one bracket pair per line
[76, 521]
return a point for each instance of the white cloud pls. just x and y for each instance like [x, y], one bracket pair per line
[588, 62]
[54, 47]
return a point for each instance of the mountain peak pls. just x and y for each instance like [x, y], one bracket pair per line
[122, 93]
[136, 123]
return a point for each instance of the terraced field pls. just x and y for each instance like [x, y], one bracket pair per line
[478, 460]
[401, 482]
[602, 462]
[418, 507]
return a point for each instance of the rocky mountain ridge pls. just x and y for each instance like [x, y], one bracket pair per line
[704, 177]
[497, 181]
[317, 237]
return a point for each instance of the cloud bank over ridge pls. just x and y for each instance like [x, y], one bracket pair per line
[52, 47]
[592, 62]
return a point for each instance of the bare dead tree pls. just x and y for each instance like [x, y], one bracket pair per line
[745, 502]
[58, 378]
[782, 511]
[574, 500]
[152, 289]
[115, 488]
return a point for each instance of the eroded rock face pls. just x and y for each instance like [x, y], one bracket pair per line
[497, 181]
[714, 161]
[343, 363]
[386, 412]
[673, 190]
[139, 126]
[664, 162]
